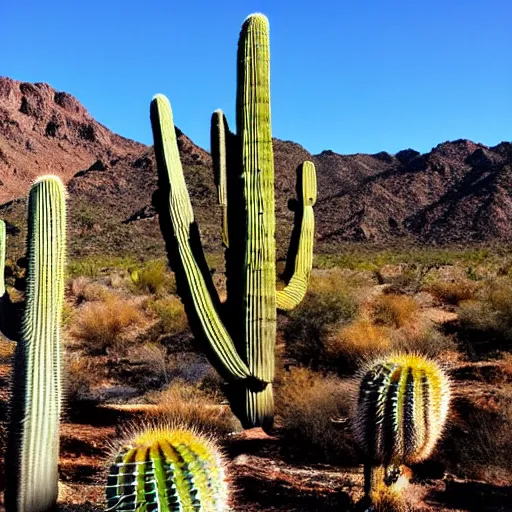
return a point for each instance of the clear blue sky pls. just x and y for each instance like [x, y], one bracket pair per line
[347, 75]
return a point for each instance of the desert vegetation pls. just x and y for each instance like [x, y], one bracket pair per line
[361, 379]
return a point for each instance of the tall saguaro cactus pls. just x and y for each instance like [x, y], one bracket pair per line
[241, 334]
[400, 414]
[33, 448]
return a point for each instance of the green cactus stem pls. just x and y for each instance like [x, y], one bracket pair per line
[257, 298]
[401, 411]
[169, 470]
[181, 235]
[300, 255]
[33, 446]
[219, 133]
[242, 342]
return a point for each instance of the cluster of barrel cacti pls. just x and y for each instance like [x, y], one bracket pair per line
[403, 399]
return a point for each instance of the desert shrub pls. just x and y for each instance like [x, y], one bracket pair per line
[192, 407]
[359, 341]
[310, 322]
[314, 410]
[429, 341]
[394, 310]
[171, 316]
[101, 325]
[153, 278]
[407, 282]
[453, 292]
[7, 349]
[81, 373]
[153, 358]
[479, 440]
[94, 266]
[486, 323]
[83, 289]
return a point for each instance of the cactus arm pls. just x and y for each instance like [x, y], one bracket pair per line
[300, 254]
[33, 446]
[219, 157]
[255, 136]
[179, 216]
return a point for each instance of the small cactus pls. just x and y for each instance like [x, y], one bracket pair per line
[240, 334]
[169, 470]
[400, 414]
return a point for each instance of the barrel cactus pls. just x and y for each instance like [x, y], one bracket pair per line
[400, 414]
[240, 333]
[170, 470]
[33, 445]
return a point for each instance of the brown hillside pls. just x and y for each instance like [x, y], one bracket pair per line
[44, 131]
[460, 192]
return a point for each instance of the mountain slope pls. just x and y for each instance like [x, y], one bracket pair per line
[460, 192]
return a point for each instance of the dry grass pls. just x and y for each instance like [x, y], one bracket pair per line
[311, 322]
[154, 357]
[102, 325]
[171, 315]
[191, 407]
[84, 289]
[81, 374]
[485, 324]
[453, 292]
[154, 279]
[7, 349]
[363, 340]
[314, 411]
[395, 310]
[429, 341]
[480, 440]
[360, 341]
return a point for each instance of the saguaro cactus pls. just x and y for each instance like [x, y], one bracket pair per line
[170, 470]
[241, 334]
[33, 446]
[401, 412]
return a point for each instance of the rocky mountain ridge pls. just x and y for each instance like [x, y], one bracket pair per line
[458, 193]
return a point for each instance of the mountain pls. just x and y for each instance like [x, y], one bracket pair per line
[460, 192]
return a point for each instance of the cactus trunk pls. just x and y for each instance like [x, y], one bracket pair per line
[33, 449]
[258, 300]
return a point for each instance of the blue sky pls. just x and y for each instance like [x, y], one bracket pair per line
[347, 75]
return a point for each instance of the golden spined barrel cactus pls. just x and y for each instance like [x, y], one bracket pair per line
[167, 470]
[240, 334]
[400, 414]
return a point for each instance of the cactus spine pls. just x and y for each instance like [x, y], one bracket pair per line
[33, 448]
[170, 470]
[401, 411]
[242, 343]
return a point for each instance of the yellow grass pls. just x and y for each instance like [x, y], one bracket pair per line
[395, 310]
